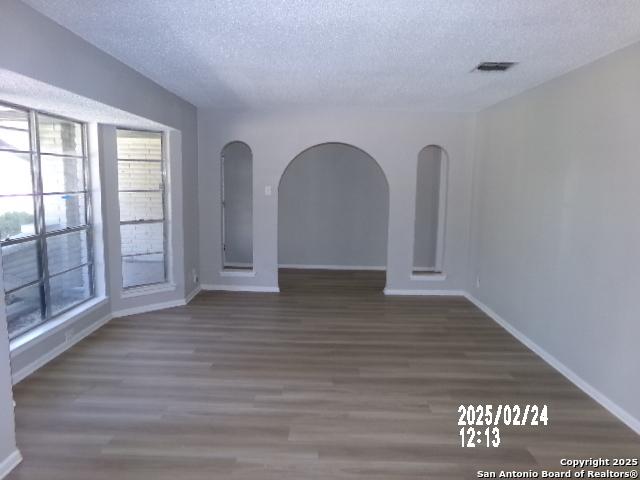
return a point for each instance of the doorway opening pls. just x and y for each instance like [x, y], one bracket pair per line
[333, 214]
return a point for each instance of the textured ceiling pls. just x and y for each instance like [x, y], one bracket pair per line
[374, 53]
[21, 90]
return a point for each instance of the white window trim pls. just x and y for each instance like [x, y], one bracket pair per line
[50, 328]
[148, 290]
[168, 284]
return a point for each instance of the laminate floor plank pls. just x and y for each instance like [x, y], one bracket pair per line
[329, 379]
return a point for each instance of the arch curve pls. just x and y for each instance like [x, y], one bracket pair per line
[345, 144]
[234, 142]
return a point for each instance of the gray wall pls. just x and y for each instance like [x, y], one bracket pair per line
[427, 207]
[393, 138]
[333, 207]
[556, 227]
[7, 424]
[238, 209]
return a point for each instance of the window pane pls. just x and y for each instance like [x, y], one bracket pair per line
[139, 145]
[66, 251]
[15, 176]
[13, 118]
[139, 175]
[69, 289]
[20, 264]
[14, 129]
[142, 238]
[16, 217]
[140, 206]
[14, 140]
[62, 174]
[64, 211]
[142, 245]
[142, 270]
[59, 136]
[24, 310]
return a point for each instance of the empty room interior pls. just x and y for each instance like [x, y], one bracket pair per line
[350, 239]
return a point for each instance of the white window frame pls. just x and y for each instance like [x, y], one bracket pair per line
[41, 235]
[150, 287]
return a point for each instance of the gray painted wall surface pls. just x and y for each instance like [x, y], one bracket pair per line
[556, 226]
[238, 197]
[7, 423]
[333, 207]
[427, 202]
[393, 138]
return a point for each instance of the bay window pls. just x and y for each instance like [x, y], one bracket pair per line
[45, 216]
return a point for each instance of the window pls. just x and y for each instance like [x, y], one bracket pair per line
[237, 206]
[431, 195]
[45, 217]
[143, 228]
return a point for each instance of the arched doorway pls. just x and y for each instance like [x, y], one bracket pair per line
[333, 213]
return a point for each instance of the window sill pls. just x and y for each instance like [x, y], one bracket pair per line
[44, 331]
[148, 290]
[428, 277]
[237, 273]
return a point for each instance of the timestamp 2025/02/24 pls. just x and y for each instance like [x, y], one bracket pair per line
[472, 416]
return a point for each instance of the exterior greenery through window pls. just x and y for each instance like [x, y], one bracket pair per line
[45, 217]
[142, 208]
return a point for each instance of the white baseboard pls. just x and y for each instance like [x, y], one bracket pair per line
[441, 293]
[615, 409]
[332, 267]
[9, 463]
[240, 288]
[192, 295]
[51, 354]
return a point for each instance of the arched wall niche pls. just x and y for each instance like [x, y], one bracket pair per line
[236, 161]
[333, 210]
[430, 211]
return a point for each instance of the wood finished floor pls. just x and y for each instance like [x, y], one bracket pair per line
[328, 380]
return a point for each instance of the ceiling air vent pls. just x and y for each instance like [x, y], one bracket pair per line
[494, 66]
